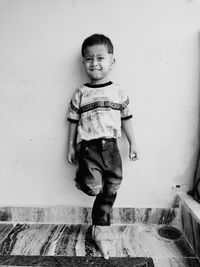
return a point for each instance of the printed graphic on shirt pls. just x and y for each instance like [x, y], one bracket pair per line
[98, 111]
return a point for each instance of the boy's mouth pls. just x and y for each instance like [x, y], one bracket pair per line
[95, 69]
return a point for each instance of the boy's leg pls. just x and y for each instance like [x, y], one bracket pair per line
[100, 174]
[97, 158]
[112, 177]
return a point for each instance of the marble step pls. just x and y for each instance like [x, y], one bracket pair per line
[71, 245]
[61, 261]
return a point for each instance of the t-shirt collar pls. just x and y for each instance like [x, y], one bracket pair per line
[97, 85]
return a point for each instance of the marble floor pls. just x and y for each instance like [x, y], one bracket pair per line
[71, 245]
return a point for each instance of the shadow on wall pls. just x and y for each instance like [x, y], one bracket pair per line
[195, 183]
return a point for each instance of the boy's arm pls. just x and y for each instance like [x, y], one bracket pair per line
[71, 154]
[128, 129]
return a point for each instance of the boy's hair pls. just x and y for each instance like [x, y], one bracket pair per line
[97, 39]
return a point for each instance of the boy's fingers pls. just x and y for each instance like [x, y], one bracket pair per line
[134, 159]
[69, 160]
[133, 156]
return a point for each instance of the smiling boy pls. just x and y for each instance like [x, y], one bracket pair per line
[97, 111]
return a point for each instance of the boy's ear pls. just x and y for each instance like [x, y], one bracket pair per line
[112, 61]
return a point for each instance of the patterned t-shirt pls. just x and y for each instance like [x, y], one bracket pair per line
[98, 110]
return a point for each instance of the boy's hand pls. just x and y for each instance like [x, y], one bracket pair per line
[71, 155]
[133, 154]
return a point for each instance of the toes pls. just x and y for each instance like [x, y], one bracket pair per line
[103, 248]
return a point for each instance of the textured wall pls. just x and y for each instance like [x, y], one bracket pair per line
[157, 60]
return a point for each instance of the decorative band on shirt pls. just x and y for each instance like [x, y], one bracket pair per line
[74, 108]
[100, 104]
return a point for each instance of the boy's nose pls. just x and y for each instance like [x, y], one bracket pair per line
[94, 61]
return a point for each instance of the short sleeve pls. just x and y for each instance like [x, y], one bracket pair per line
[74, 107]
[126, 112]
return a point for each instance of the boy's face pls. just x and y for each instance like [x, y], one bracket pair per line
[98, 63]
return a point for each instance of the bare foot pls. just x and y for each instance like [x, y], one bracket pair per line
[102, 237]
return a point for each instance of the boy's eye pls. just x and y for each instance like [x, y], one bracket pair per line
[100, 58]
[88, 59]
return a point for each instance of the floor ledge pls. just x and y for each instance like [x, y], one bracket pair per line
[191, 204]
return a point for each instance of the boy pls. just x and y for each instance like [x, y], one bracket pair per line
[96, 113]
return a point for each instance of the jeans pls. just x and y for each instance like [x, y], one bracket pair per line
[100, 174]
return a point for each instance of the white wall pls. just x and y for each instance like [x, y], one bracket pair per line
[157, 60]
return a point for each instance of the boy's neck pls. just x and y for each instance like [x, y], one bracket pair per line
[103, 81]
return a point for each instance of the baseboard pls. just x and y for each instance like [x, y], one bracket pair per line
[76, 215]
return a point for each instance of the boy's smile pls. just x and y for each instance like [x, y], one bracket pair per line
[98, 63]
